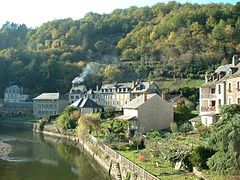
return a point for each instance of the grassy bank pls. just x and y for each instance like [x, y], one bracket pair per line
[173, 84]
[19, 119]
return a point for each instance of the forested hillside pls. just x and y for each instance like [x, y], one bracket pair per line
[168, 40]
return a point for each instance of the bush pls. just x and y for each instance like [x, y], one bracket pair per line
[174, 127]
[120, 146]
[185, 128]
[68, 119]
[152, 134]
[200, 155]
[137, 143]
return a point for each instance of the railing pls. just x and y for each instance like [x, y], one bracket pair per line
[208, 109]
[124, 161]
[208, 96]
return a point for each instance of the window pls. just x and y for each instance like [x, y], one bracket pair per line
[219, 89]
[219, 102]
[238, 86]
[206, 121]
[238, 100]
[229, 87]
[229, 101]
[213, 90]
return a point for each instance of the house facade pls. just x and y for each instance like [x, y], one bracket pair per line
[48, 104]
[146, 112]
[87, 106]
[15, 103]
[14, 94]
[76, 92]
[119, 94]
[220, 88]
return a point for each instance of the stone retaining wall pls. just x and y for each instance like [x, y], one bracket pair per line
[113, 163]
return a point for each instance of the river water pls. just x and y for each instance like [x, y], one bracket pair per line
[39, 157]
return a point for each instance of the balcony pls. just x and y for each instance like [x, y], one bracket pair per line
[208, 109]
[208, 96]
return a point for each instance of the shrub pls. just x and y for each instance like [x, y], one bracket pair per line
[152, 134]
[185, 128]
[137, 143]
[174, 127]
[68, 119]
[120, 146]
[200, 155]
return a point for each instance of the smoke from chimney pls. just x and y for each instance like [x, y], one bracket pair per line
[91, 68]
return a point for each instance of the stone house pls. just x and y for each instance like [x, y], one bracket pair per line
[119, 94]
[14, 94]
[48, 104]
[76, 92]
[146, 112]
[15, 103]
[220, 88]
[177, 100]
[87, 106]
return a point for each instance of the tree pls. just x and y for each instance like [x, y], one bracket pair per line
[112, 73]
[225, 139]
[88, 123]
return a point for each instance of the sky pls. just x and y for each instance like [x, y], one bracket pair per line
[35, 12]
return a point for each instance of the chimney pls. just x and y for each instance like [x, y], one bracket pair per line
[97, 89]
[206, 77]
[234, 60]
[145, 97]
[164, 96]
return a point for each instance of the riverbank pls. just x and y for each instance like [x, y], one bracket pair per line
[5, 149]
[17, 122]
[117, 166]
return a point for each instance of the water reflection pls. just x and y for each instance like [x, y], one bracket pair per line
[44, 157]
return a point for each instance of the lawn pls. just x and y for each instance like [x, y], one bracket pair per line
[157, 166]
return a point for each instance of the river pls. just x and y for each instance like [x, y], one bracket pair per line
[39, 157]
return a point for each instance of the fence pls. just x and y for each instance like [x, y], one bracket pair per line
[124, 161]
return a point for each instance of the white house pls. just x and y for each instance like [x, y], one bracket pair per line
[14, 94]
[146, 112]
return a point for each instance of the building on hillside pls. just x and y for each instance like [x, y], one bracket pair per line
[87, 106]
[14, 94]
[48, 104]
[220, 88]
[15, 103]
[76, 92]
[178, 99]
[120, 94]
[146, 112]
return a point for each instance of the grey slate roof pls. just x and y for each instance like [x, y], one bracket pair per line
[48, 96]
[85, 103]
[135, 103]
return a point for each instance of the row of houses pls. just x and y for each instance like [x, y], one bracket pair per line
[141, 102]
[222, 87]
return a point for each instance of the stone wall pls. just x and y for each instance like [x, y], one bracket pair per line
[117, 166]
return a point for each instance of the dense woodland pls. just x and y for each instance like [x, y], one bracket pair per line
[168, 40]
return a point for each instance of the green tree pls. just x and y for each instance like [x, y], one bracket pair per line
[225, 139]
[87, 124]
